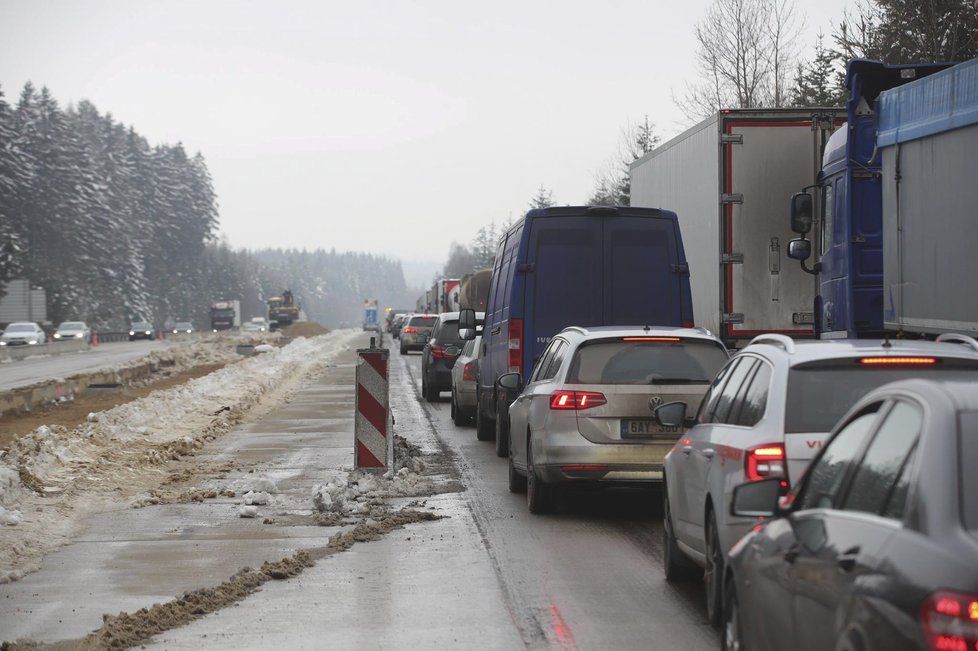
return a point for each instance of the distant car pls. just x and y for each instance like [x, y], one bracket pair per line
[415, 333]
[877, 546]
[257, 324]
[183, 327]
[463, 382]
[140, 330]
[766, 415]
[73, 331]
[587, 415]
[439, 354]
[396, 324]
[22, 333]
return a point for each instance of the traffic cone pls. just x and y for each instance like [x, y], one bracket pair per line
[94, 340]
[161, 335]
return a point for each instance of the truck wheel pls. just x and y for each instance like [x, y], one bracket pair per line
[502, 431]
[485, 429]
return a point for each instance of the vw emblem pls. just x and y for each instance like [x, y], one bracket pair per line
[654, 402]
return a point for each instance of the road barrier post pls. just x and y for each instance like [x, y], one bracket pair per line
[373, 442]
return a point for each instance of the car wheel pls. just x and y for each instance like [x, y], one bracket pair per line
[730, 637]
[502, 431]
[485, 429]
[713, 574]
[675, 564]
[539, 494]
[429, 392]
[517, 482]
[457, 416]
[403, 350]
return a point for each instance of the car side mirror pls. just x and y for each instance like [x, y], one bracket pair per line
[800, 249]
[801, 213]
[466, 320]
[671, 414]
[757, 499]
[510, 381]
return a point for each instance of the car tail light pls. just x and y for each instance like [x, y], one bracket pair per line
[898, 361]
[576, 400]
[441, 352]
[765, 462]
[468, 371]
[515, 345]
[950, 621]
[410, 330]
[651, 339]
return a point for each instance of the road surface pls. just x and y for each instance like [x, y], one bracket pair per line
[24, 372]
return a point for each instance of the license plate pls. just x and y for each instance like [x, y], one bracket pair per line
[646, 428]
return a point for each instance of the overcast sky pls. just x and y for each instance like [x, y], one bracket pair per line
[386, 126]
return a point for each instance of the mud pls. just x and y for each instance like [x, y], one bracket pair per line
[304, 329]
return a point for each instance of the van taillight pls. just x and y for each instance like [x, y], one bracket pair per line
[516, 345]
[576, 400]
[950, 621]
[765, 462]
[468, 371]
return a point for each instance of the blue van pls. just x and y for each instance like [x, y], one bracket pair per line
[584, 266]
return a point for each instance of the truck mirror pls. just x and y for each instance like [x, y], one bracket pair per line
[801, 213]
[466, 320]
[800, 249]
[758, 499]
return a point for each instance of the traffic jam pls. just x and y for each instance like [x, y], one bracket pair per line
[810, 429]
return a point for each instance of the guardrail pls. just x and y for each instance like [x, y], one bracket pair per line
[8, 353]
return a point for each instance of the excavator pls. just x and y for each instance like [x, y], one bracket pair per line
[283, 310]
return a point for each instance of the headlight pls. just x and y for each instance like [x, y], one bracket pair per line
[215, 330]
[57, 335]
[131, 332]
[77, 336]
[174, 332]
[189, 331]
[148, 332]
[3, 343]
[32, 342]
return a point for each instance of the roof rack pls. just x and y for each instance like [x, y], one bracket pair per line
[775, 339]
[954, 338]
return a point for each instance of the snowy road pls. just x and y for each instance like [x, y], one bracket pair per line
[24, 372]
[489, 575]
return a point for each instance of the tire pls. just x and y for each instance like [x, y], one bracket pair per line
[713, 575]
[485, 429]
[675, 564]
[403, 350]
[429, 392]
[731, 635]
[457, 416]
[539, 494]
[502, 431]
[517, 482]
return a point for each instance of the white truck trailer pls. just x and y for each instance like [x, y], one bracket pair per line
[730, 179]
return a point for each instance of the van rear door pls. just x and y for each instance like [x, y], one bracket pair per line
[642, 272]
[563, 280]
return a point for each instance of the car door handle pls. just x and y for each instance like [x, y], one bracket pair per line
[496, 330]
[709, 453]
[686, 449]
[847, 559]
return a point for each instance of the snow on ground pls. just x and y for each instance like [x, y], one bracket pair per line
[55, 477]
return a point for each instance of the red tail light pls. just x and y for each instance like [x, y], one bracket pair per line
[516, 345]
[898, 361]
[442, 352]
[651, 339]
[468, 371]
[576, 400]
[409, 330]
[765, 462]
[950, 621]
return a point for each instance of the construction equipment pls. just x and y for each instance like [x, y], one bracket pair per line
[283, 310]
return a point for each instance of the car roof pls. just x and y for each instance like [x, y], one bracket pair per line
[802, 351]
[596, 332]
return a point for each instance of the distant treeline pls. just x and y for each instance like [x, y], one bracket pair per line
[114, 228]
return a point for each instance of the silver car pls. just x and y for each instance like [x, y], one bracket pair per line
[22, 333]
[464, 376]
[73, 331]
[416, 330]
[586, 415]
[766, 415]
[257, 324]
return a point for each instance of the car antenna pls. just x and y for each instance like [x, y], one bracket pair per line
[886, 342]
[646, 328]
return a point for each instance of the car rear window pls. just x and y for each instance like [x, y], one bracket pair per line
[424, 321]
[966, 468]
[686, 361]
[820, 394]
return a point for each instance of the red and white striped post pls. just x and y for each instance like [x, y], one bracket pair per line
[373, 446]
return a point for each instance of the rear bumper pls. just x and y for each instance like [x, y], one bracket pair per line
[618, 463]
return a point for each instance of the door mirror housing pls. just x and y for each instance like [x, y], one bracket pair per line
[800, 249]
[671, 414]
[801, 213]
[466, 321]
[510, 382]
[757, 499]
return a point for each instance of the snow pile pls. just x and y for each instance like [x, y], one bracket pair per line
[248, 511]
[260, 499]
[118, 453]
[264, 348]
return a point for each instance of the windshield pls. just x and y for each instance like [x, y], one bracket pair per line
[71, 325]
[424, 321]
[819, 395]
[19, 327]
[966, 468]
[687, 361]
[140, 325]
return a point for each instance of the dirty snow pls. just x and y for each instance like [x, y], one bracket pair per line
[55, 477]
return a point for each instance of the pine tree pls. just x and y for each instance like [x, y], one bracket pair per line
[542, 199]
[817, 83]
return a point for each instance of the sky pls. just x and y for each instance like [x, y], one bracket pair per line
[393, 127]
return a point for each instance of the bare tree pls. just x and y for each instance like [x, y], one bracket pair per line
[745, 54]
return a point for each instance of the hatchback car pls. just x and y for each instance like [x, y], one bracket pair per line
[586, 413]
[22, 333]
[439, 355]
[766, 416]
[464, 377]
[73, 331]
[396, 324]
[140, 330]
[877, 546]
[414, 334]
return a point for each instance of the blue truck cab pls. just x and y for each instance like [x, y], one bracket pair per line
[584, 266]
[849, 229]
